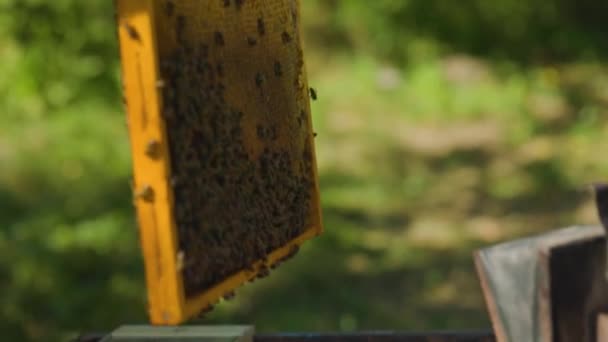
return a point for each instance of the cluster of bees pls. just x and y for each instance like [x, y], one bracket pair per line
[231, 209]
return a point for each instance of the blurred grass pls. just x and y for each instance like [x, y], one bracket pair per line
[440, 131]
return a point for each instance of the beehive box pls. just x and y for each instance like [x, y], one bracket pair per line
[218, 111]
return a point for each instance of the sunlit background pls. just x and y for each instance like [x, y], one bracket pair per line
[443, 126]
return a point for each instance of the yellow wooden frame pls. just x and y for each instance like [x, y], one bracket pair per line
[167, 304]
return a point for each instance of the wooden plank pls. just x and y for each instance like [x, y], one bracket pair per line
[209, 333]
[364, 336]
[152, 196]
[383, 336]
[578, 288]
[547, 287]
[492, 305]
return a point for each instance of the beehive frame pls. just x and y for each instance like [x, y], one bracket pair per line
[141, 43]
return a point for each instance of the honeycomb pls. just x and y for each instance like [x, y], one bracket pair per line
[235, 109]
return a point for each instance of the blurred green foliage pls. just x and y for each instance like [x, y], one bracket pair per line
[542, 31]
[443, 125]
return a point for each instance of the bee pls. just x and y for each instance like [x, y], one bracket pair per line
[181, 22]
[146, 193]
[204, 50]
[263, 272]
[206, 310]
[313, 94]
[180, 260]
[219, 38]
[220, 69]
[169, 8]
[259, 79]
[235, 132]
[220, 180]
[278, 70]
[152, 148]
[261, 132]
[229, 295]
[285, 37]
[181, 25]
[273, 133]
[132, 32]
[294, 16]
[261, 27]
